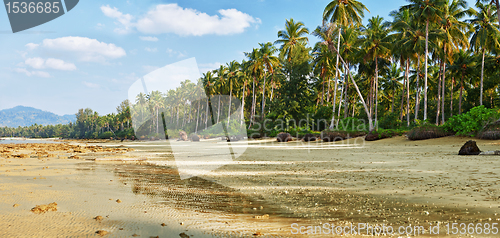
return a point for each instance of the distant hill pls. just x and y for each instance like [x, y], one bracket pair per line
[27, 116]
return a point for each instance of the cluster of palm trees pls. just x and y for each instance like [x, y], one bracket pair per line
[409, 67]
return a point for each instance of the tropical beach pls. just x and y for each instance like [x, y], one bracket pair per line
[264, 119]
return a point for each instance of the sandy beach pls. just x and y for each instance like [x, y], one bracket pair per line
[136, 189]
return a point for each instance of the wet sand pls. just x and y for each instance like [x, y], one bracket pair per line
[392, 182]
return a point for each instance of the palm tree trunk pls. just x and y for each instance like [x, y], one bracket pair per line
[482, 74]
[370, 120]
[336, 79]
[461, 93]
[417, 98]
[402, 98]
[439, 97]
[197, 117]
[263, 97]
[243, 105]
[451, 96]
[218, 110]
[408, 92]
[443, 88]
[426, 65]
[229, 106]
[323, 89]
[346, 97]
[206, 117]
[376, 91]
[252, 112]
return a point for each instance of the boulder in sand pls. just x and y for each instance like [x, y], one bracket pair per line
[309, 137]
[183, 136]
[195, 138]
[469, 148]
[284, 137]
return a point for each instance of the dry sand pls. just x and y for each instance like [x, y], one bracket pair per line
[393, 182]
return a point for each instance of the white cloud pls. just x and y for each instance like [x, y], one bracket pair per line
[85, 49]
[123, 19]
[91, 85]
[171, 18]
[32, 73]
[148, 38]
[172, 53]
[151, 49]
[32, 46]
[149, 68]
[99, 26]
[209, 67]
[51, 63]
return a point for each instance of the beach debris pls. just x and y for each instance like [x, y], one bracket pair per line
[52, 207]
[183, 136]
[258, 233]
[101, 232]
[284, 137]
[98, 218]
[182, 223]
[135, 235]
[183, 235]
[16, 205]
[309, 137]
[195, 138]
[118, 200]
[266, 216]
[163, 224]
[469, 148]
[490, 152]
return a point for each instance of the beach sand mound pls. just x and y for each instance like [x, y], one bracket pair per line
[39, 209]
[469, 148]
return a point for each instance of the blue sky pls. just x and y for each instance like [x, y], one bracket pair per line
[90, 56]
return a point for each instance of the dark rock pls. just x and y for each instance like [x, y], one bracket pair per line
[284, 137]
[195, 138]
[469, 148]
[309, 137]
[183, 136]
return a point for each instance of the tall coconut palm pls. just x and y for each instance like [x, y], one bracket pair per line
[455, 34]
[343, 13]
[428, 11]
[234, 72]
[322, 65]
[295, 34]
[255, 69]
[270, 62]
[376, 44]
[156, 102]
[486, 34]
[463, 65]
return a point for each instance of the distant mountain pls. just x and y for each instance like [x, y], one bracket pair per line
[27, 116]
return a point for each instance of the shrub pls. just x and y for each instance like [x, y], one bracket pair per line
[471, 123]
[106, 135]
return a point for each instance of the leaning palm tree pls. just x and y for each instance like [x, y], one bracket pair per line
[486, 34]
[343, 13]
[429, 11]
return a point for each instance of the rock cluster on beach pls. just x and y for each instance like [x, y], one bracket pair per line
[469, 148]
[284, 137]
[24, 151]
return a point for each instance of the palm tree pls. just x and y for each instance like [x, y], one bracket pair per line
[323, 66]
[345, 13]
[454, 37]
[221, 85]
[376, 44]
[430, 11]
[156, 101]
[463, 65]
[270, 62]
[233, 74]
[255, 69]
[486, 34]
[290, 38]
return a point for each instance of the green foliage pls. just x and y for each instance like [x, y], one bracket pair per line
[470, 123]
[390, 121]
